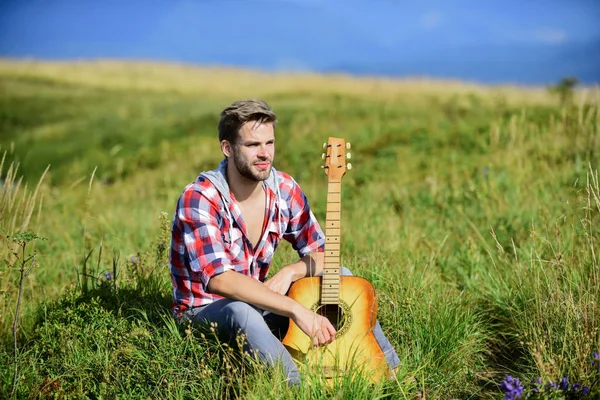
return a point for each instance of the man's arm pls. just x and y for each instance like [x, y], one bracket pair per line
[309, 265]
[236, 286]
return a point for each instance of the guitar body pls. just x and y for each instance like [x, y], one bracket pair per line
[355, 349]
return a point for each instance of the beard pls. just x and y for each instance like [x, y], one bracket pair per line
[247, 169]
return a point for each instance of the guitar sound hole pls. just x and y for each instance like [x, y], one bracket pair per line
[334, 314]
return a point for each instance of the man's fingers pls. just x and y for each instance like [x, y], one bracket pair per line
[331, 331]
[328, 328]
[325, 336]
[320, 338]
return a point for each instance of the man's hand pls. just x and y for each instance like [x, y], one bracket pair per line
[309, 265]
[316, 326]
[281, 281]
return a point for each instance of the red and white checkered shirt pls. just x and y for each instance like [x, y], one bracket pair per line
[209, 236]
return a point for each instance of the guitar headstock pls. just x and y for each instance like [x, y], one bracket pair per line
[335, 159]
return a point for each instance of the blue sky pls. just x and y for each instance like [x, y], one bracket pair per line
[528, 41]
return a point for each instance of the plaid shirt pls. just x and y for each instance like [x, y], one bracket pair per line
[209, 236]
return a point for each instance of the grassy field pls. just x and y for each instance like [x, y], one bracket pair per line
[473, 210]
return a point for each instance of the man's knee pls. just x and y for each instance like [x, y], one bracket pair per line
[242, 316]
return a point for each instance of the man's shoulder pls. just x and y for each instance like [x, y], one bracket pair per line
[284, 178]
[287, 184]
[201, 187]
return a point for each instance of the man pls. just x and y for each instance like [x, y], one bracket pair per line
[226, 228]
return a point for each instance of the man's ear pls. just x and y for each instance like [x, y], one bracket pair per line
[226, 148]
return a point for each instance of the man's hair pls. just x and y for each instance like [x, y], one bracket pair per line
[240, 112]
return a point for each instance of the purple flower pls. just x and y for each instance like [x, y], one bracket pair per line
[107, 276]
[536, 383]
[511, 387]
[585, 390]
[575, 387]
[551, 385]
[564, 384]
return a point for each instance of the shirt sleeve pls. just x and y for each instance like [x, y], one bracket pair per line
[303, 231]
[202, 238]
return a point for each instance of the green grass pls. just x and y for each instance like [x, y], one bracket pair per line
[472, 210]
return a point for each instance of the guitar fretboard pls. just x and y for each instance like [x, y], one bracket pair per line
[330, 287]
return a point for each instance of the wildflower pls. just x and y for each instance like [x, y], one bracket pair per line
[585, 390]
[596, 360]
[564, 384]
[107, 276]
[537, 384]
[134, 260]
[511, 387]
[575, 387]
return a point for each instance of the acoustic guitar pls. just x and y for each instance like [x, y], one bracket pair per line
[349, 302]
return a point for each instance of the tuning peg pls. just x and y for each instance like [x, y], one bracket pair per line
[348, 156]
[323, 156]
[348, 145]
[324, 145]
[348, 166]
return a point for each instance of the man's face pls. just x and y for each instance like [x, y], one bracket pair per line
[254, 150]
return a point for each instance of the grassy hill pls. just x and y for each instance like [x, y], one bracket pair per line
[473, 210]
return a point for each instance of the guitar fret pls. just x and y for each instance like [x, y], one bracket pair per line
[333, 207]
[334, 186]
[332, 224]
[334, 197]
[332, 232]
[332, 215]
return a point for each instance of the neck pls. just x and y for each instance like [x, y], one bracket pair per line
[242, 188]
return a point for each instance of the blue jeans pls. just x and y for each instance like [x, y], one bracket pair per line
[264, 332]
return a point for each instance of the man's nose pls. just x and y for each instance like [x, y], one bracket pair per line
[263, 152]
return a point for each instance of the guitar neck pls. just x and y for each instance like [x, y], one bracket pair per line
[330, 287]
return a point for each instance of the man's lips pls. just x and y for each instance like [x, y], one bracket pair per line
[264, 164]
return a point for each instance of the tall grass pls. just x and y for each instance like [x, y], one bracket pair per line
[473, 210]
[18, 206]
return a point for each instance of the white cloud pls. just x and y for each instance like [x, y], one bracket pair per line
[550, 36]
[431, 20]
